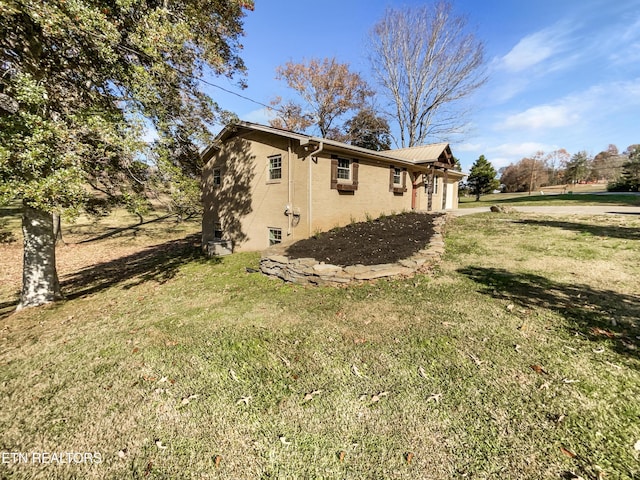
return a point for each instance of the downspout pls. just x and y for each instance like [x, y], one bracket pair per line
[310, 193]
[289, 190]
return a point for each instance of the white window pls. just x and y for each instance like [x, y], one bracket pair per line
[217, 231]
[344, 169]
[435, 185]
[275, 167]
[275, 236]
[396, 176]
[217, 176]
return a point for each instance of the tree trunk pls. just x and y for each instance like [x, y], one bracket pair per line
[40, 283]
[57, 228]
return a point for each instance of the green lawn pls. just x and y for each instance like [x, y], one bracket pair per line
[516, 358]
[536, 198]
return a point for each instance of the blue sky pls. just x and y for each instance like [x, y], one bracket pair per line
[562, 73]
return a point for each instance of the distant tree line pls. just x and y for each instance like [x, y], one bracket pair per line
[620, 171]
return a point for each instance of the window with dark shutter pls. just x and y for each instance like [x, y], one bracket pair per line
[344, 174]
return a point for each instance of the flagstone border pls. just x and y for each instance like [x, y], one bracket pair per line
[308, 271]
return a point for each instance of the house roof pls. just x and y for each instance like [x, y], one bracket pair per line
[408, 156]
[421, 153]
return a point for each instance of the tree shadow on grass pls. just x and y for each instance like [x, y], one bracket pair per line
[158, 263]
[589, 309]
[628, 233]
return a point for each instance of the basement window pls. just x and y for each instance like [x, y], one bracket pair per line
[275, 236]
[217, 231]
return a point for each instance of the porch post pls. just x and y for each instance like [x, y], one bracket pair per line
[444, 189]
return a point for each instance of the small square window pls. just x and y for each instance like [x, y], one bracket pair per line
[344, 169]
[217, 231]
[217, 176]
[275, 167]
[396, 176]
[275, 236]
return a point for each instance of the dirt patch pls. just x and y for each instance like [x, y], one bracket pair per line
[383, 240]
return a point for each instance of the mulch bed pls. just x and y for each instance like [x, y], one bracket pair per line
[383, 240]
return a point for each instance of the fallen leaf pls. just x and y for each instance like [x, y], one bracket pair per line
[568, 380]
[356, 371]
[602, 332]
[341, 455]
[568, 453]
[147, 470]
[544, 386]
[159, 445]
[135, 350]
[284, 441]
[475, 359]
[409, 456]
[244, 400]
[637, 446]
[510, 307]
[598, 350]
[517, 348]
[362, 397]
[233, 375]
[359, 340]
[122, 453]
[217, 459]
[435, 397]
[163, 379]
[309, 396]
[422, 372]
[539, 369]
[186, 400]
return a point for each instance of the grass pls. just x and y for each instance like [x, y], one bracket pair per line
[576, 195]
[183, 367]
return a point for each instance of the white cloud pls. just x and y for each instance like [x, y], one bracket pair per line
[468, 147]
[535, 49]
[543, 116]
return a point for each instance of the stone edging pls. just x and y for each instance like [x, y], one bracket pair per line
[308, 271]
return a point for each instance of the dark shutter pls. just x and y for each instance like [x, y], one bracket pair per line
[391, 172]
[334, 172]
[354, 173]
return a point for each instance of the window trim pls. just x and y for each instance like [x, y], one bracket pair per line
[342, 169]
[343, 184]
[217, 176]
[272, 169]
[274, 233]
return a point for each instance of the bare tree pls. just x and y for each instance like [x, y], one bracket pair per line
[426, 62]
[329, 91]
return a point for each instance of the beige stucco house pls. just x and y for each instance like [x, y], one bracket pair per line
[264, 185]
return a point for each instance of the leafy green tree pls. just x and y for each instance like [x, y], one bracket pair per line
[368, 130]
[482, 178]
[79, 84]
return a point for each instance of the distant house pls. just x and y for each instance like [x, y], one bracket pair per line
[264, 185]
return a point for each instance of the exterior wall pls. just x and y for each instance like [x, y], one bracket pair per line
[247, 203]
[372, 198]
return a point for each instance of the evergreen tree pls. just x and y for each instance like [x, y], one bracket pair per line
[482, 178]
